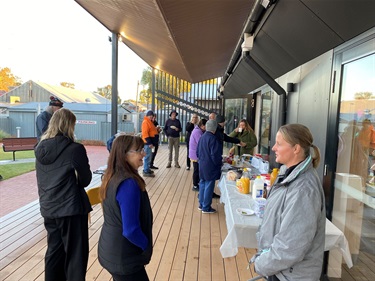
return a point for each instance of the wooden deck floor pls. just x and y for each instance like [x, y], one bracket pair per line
[186, 242]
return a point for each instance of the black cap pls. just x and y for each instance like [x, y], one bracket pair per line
[173, 111]
[220, 119]
[55, 101]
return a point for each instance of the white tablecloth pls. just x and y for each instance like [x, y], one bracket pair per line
[242, 229]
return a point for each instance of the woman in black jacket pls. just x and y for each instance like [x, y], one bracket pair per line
[63, 171]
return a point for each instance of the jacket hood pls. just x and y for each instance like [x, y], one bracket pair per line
[48, 150]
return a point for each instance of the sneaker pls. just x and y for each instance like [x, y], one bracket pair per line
[215, 195]
[209, 211]
[188, 168]
[200, 208]
[177, 165]
[153, 167]
[169, 165]
[148, 174]
[195, 188]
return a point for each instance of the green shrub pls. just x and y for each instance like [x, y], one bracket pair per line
[4, 135]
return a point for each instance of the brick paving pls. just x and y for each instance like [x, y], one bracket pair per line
[21, 190]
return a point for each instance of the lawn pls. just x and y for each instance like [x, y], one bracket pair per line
[8, 171]
[19, 155]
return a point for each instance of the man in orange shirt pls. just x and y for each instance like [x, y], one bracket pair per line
[149, 132]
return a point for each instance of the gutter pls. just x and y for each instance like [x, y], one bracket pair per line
[250, 25]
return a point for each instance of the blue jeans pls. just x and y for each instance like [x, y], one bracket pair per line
[206, 190]
[147, 158]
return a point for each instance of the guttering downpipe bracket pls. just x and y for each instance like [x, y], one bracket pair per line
[263, 74]
[269, 80]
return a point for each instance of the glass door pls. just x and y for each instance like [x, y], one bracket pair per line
[354, 188]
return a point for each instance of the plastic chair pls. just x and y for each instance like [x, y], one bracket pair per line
[93, 194]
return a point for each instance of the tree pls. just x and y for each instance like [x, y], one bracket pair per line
[363, 96]
[8, 80]
[145, 97]
[68, 85]
[107, 93]
[164, 82]
[146, 81]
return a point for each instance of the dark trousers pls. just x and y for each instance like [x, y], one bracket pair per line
[68, 248]
[154, 155]
[273, 278]
[137, 276]
[187, 155]
[196, 174]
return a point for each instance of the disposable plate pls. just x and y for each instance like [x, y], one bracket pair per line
[244, 212]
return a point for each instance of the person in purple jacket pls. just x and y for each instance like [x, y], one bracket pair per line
[125, 243]
[196, 134]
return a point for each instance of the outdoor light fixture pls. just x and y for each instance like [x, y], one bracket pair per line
[248, 42]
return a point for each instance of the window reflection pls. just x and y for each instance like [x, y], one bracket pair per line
[235, 110]
[265, 124]
[354, 203]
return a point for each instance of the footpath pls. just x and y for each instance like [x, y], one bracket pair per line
[21, 190]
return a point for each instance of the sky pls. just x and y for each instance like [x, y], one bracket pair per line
[359, 76]
[55, 41]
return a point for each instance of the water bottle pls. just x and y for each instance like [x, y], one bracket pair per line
[257, 189]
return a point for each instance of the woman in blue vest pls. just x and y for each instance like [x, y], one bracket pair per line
[125, 244]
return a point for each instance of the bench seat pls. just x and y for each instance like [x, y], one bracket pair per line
[19, 144]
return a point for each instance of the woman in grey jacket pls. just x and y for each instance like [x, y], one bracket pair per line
[292, 234]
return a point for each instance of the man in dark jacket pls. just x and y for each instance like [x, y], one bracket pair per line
[156, 142]
[42, 120]
[223, 137]
[172, 129]
[209, 159]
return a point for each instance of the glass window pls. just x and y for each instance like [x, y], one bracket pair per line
[354, 203]
[235, 110]
[265, 124]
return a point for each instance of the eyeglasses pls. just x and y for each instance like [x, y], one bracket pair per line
[141, 150]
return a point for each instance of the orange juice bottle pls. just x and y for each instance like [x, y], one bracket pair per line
[274, 174]
[245, 182]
